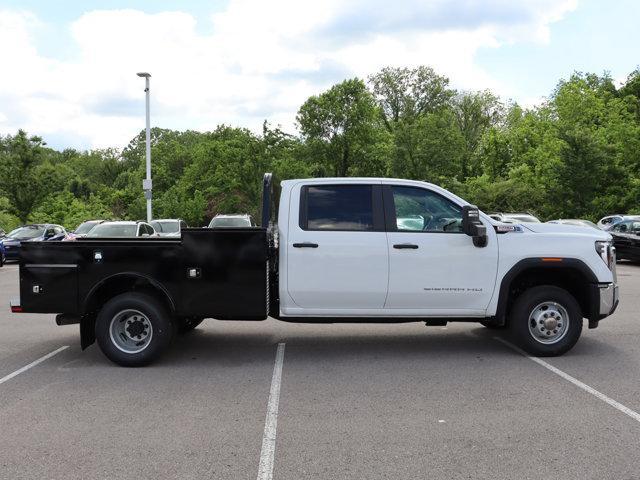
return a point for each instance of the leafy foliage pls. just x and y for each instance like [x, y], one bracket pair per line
[575, 155]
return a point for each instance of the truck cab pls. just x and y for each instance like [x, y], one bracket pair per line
[340, 250]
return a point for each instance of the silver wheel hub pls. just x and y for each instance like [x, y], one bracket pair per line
[130, 331]
[548, 322]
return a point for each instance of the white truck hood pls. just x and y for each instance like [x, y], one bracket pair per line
[567, 230]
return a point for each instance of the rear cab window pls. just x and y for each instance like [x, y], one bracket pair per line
[344, 207]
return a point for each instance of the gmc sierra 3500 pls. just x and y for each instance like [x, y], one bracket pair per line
[342, 250]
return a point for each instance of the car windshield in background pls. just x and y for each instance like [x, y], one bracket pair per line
[26, 233]
[166, 227]
[85, 228]
[113, 230]
[230, 222]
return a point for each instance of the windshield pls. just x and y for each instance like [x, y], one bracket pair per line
[85, 227]
[114, 230]
[166, 227]
[229, 222]
[25, 233]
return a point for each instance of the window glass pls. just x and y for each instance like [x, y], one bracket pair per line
[621, 227]
[340, 207]
[418, 209]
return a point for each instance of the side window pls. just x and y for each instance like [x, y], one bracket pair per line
[183, 224]
[622, 227]
[337, 207]
[421, 210]
[49, 233]
[149, 229]
[58, 230]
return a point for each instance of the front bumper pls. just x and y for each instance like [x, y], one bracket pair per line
[609, 299]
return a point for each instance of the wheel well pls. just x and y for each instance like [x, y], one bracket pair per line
[123, 283]
[573, 280]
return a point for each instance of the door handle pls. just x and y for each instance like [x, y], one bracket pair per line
[305, 245]
[401, 246]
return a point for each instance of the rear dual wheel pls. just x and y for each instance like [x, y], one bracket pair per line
[133, 329]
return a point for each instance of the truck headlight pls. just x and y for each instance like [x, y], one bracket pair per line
[607, 253]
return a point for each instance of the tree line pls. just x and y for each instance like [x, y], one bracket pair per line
[575, 155]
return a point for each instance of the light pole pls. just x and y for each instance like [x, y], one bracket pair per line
[147, 185]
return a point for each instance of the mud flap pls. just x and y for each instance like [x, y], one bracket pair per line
[87, 331]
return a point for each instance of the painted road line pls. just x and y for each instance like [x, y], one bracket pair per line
[32, 364]
[267, 454]
[608, 400]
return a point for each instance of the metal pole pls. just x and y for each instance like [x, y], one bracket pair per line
[148, 152]
[147, 185]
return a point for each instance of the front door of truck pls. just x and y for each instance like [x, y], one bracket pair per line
[337, 255]
[434, 268]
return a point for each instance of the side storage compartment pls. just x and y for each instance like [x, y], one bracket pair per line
[49, 288]
[226, 273]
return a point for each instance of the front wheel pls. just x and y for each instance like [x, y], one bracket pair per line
[546, 321]
[133, 329]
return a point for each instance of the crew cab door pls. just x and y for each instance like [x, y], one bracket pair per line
[434, 268]
[337, 258]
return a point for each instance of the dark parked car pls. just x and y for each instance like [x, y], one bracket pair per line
[1, 254]
[626, 239]
[30, 233]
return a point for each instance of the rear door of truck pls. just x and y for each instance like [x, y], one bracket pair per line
[336, 246]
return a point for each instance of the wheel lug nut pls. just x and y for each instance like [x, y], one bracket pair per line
[541, 322]
[555, 331]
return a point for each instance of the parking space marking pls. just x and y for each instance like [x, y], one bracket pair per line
[32, 364]
[267, 454]
[608, 400]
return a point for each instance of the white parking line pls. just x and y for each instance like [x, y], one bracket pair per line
[267, 454]
[32, 364]
[608, 400]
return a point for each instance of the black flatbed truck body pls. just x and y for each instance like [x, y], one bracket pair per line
[209, 273]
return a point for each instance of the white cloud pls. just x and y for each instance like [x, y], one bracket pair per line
[261, 60]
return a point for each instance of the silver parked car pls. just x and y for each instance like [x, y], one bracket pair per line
[122, 229]
[168, 227]
[574, 221]
[514, 217]
[232, 221]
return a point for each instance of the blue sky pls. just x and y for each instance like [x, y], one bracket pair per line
[72, 65]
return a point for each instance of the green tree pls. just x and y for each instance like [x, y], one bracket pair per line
[341, 130]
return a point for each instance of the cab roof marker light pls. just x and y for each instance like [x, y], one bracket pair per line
[551, 259]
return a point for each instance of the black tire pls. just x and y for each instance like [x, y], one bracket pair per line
[492, 326]
[525, 317]
[152, 311]
[185, 325]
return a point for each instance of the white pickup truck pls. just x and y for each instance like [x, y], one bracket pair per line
[342, 250]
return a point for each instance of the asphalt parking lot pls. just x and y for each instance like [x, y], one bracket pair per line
[351, 402]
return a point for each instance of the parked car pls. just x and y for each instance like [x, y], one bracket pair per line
[574, 221]
[342, 256]
[606, 223]
[30, 233]
[232, 221]
[2, 260]
[169, 227]
[515, 217]
[82, 230]
[626, 239]
[125, 229]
